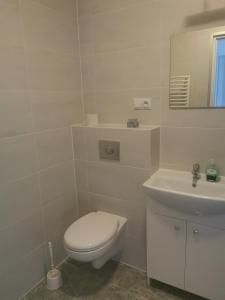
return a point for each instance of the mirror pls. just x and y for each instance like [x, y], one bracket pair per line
[197, 70]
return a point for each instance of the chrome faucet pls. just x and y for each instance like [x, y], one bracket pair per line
[196, 174]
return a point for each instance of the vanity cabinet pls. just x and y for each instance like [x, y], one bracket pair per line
[187, 255]
[205, 261]
[166, 249]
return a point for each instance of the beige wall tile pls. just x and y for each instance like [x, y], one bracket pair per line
[81, 168]
[15, 114]
[137, 68]
[29, 231]
[17, 158]
[12, 68]
[117, 181]
[10, 29]
[53, 147]
[48, 71]
[134, 144]
[19, 200]
[58, 215]
[55, 109]
[181, 147]
[118, 30]
[34, 269]
[47, 29]
[40, 88]
[84, 203]
[59, 5]
[118, 107]
[58, 182]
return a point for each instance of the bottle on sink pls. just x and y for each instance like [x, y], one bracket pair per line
[212, 172]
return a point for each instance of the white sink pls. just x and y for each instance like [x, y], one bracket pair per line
[174, 189]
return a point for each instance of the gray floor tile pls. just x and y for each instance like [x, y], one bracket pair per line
[113, 282]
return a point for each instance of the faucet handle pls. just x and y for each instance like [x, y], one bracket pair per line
[196, 167]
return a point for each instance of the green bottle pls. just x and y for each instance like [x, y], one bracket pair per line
[212, 172]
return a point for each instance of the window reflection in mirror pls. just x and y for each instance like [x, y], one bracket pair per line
[197, 70]
[218, 71]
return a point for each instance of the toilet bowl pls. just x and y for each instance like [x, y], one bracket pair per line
[95, 237]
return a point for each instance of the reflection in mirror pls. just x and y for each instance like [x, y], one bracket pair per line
[197, 71]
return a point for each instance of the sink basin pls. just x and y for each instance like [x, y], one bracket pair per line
[174, 189]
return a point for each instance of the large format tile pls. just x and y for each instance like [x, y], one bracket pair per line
[118, 107]
[48, 71]
[10, 29]
[130, 69]
[55, 109]
[47, 29]
[117, 181]
[59, 6]
[118, 30]
[134, 144]
[20, 239]
[17, 158]
[33, 270]
[181, 147]
[57, 182]
[12, 68]
[15, 114]
[19, 200]
[53, 147]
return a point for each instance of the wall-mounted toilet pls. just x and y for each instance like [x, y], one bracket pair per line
[95, 237]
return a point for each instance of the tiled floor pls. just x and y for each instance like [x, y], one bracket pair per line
[112, 282]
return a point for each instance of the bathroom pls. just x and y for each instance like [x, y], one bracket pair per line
[74, 74]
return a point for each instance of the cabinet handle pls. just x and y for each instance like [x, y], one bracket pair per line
[195, 231]
[176, 227]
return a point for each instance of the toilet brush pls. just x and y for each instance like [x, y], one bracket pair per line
[54, 278]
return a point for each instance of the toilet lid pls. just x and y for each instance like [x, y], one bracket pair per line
[91, 231]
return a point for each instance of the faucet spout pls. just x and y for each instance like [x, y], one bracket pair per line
[196, 174]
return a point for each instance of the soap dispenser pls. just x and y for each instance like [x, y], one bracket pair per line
[212, 172]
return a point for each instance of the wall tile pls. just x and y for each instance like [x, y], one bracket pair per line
[19, 200]
[58, 215]
[53, 147]
[117, 106]
[48, 71]
[33, 266]
[24, 237]
[117, 181]
[130, 69]
[181, 147]
[55, 109]
[17, 158]
[59, 6]
[134, 144]
[118, 30]
[47, 29]
[12, 66]
[10, 29]
[15, 114]
[57, 182]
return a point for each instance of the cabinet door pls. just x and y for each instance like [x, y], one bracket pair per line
[205, 262]
[166, 241]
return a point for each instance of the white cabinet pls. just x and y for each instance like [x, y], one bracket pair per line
[186, 255]
[166, 250]
[205, 261]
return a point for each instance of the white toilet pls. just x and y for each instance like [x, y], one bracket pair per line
[95, 237]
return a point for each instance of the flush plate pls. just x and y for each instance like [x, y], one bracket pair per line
[109, 150]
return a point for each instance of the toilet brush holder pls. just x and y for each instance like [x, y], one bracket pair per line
[54, 279]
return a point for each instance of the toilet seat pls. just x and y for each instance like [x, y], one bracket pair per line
[91, 232]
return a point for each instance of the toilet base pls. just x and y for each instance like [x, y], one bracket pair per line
[99, 262]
